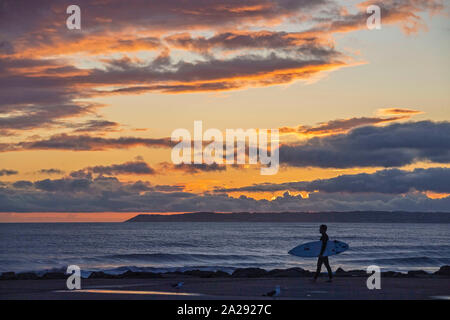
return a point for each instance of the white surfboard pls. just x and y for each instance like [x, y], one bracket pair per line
[312, 249]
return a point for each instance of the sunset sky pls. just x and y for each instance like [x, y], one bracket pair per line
[86, 115]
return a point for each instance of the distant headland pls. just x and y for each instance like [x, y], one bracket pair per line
[355, 216]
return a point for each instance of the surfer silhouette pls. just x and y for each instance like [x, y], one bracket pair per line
[323, 260]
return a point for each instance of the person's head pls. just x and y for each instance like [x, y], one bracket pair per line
[323, 228]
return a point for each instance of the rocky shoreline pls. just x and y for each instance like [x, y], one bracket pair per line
[443, 272]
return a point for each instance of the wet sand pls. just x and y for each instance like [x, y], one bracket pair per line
[227, 288]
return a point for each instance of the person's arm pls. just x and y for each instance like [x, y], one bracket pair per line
[324, 245]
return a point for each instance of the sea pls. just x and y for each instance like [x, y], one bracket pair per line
[178, 246]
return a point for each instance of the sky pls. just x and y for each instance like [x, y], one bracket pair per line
[86, 115]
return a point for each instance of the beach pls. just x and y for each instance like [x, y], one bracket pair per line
[247, 283]
[353, 288]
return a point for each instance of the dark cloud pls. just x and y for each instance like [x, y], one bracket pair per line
[95, 126]
[85, 143]
[139, 167]
[81, 174]
[22, 184]
[7, 172]
[132, 167]
[6, 47]
[394, 145]
[340, 125]
[191, 168]
[31, 100]
[214, 74]
[41, 116]
[63, 185]
[392, 181]
[234, 40]
[169, 188]
[51, 171]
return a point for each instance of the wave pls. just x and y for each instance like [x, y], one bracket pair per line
[402, 261]
[183, 257]
[85, 273]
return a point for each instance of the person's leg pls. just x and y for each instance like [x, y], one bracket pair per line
[327, 265]
[319, 267]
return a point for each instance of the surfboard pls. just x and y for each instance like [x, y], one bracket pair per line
[312, 249]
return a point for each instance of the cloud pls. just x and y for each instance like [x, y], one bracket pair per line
[398, 111]
[214, 74]
[169, 188]
[105, 194]
[40, 116]
[114, 16]
[148, 19]
[338, 126]
[392, 181]
[237, 40]
[42, 83]
[394, 145]
[22, 184]
[89, 143]
[191, 168]
[132, 167]
[404, 13]
[51, 171]
[29, 100]
[63, 185]
[6, 172]
[46, 100]
[95, 126]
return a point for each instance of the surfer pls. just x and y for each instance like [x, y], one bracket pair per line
[323, 260]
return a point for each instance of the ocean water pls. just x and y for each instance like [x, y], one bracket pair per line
[169, 246]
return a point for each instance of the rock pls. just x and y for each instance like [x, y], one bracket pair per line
[291, 272]
[249, 273]
[174, 273]
[443, 271]
[417, 273]
[199, 273]
[222, 274]
[27, 276]
[206, 274]
[394, 274]
[8, 276]
[340, 272]
[101, 275]
[357, 273]
[139, 275]
[54, 275]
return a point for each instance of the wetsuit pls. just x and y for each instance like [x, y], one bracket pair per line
[323, 260]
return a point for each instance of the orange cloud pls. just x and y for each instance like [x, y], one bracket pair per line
[337, 126]
[398, 111]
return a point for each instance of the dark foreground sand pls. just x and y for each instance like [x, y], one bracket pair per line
[227, 288]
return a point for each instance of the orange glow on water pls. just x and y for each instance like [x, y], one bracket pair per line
[132, 292]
